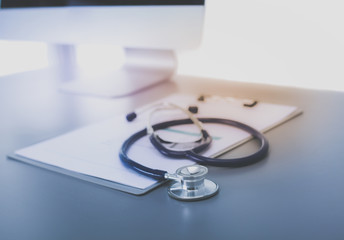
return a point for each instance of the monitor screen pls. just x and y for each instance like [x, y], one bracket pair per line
[161, 24]
[56, 3]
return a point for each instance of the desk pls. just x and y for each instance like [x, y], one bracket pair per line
[295, 193]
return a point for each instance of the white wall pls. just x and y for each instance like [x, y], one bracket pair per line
[284, 42]
[21, 56]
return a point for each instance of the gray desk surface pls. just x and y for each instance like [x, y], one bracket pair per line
[295, 193]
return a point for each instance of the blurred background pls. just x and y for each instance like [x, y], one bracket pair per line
[292, 43]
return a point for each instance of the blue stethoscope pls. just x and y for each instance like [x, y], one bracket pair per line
[190, 183]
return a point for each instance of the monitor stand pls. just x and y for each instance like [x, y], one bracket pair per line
[143, 68]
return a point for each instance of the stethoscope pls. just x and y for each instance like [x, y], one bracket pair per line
[190, 182]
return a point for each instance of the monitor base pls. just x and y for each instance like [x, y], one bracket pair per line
[143, 68]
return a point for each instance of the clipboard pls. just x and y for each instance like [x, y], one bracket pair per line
[95, 159]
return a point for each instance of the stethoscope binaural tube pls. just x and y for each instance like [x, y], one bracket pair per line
[191, 154]
[232, 162]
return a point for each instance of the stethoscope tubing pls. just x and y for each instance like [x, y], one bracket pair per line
[233, 162]
[123, 155]
[192, 155]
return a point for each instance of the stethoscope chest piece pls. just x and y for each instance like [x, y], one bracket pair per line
[191, 184]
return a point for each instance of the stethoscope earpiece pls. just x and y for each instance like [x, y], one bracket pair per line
[131, 116]
[193, 109]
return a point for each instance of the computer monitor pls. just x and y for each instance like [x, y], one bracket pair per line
[149, 30]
